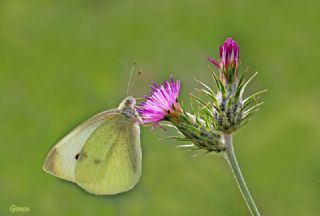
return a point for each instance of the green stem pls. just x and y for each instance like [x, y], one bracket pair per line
[232, 160]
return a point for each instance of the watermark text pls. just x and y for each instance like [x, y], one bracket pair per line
[17, 208]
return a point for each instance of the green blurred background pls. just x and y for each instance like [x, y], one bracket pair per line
[64, 61]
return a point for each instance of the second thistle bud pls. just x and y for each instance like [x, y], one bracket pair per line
[229, 62]
[228, 111]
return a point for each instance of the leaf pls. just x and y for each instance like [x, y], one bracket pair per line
[246, 83]
[241, 87]
[246, 115]
[198, 100]
[214, 77]
[210, 94]
[229, 104]
[205, 107]
[243, 123]
[241, 79]
[196, 113]
[204, 85]
[253, 107]
[185, 146]
[168, 125]
[221, 87]
[254, 96]
[244, 107]
[176, 138]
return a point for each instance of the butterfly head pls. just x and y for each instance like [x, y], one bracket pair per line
[127, 108]
[129, 103]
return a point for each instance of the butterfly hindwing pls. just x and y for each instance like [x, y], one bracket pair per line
[110, 160]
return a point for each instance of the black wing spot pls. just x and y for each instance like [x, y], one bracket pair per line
[81, 156]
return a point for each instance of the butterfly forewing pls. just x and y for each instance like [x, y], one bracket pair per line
[61, 159]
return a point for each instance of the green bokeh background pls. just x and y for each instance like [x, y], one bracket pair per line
[64, 61]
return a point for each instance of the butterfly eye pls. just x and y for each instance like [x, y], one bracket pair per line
[130, 101]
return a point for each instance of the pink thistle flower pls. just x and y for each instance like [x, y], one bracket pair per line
[161, 103]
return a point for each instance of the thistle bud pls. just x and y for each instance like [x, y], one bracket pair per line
[229, 62]
[228, 110]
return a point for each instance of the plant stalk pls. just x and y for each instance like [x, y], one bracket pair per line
[232, 160]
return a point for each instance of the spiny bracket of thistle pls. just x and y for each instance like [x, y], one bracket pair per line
[227, 110]
[162, 104]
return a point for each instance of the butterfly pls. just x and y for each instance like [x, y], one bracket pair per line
[102, 155]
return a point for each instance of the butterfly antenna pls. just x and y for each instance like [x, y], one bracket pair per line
[135, 78]
[130, 77]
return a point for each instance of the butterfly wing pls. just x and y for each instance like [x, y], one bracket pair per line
[110, 160]
[61, 159]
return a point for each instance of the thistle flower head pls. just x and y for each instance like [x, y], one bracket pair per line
[161, 103]
[229, 61]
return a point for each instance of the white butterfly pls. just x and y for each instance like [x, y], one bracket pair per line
[102, 155]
